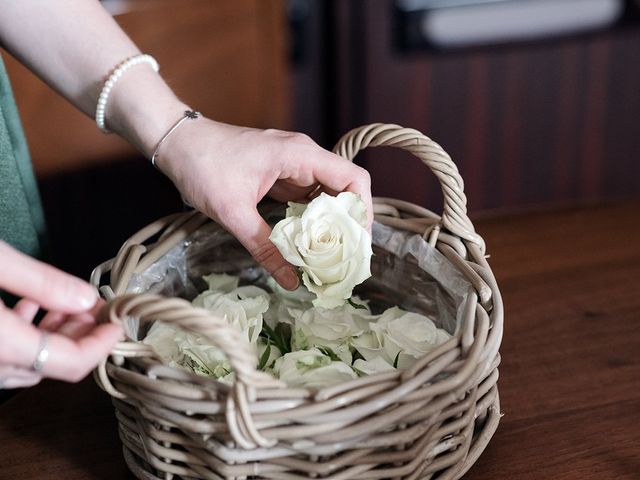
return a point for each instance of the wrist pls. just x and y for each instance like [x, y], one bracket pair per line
[142, 107]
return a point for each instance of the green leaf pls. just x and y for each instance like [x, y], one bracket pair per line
[268, 335]
[266, 332]
[356, 355]
[265, 357]
[195, 363]
[277, 337]
[329, 353]
[283, 332]
[395, 362]
[355, 305]
[299, 340]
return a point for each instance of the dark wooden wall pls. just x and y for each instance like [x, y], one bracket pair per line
[545, 123]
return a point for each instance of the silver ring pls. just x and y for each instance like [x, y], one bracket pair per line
[43, 353]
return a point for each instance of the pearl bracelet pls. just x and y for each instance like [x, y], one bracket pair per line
[111, 81]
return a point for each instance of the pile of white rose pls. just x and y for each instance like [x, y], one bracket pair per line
[318, 335]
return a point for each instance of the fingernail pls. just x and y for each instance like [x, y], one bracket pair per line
[86, 296]
[287, 277]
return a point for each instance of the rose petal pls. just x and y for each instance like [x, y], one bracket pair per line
[295, 209]
[352, 203]
[221, 282]
[283, 235]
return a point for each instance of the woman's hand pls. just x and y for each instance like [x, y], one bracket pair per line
[224, 171]
[75, 344]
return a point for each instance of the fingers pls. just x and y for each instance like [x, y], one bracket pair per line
[284, 192]
[76, 327]
[58, 322]
[79, 344]
[72, 359]
[323, 189]
[18, 340]
[26, 309]
[52, 321]
[338, 175]
[49, 287]
[252, 231]
[69, 359]
[12, 377]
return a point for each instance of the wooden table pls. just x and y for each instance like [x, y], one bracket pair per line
[569, 381]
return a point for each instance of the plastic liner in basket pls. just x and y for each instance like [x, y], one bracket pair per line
[407, 272]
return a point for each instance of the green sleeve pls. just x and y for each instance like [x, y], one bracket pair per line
[22, 222]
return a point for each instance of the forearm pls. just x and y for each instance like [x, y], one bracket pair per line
[73, 45]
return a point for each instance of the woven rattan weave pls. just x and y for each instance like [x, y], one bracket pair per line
[432, 420]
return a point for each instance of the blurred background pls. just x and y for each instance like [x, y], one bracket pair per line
[537, 101]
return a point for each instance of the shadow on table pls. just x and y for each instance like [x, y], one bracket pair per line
[58, 430]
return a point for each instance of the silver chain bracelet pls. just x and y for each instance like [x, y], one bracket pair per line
[188, 115]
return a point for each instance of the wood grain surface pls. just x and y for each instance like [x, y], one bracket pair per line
[570, 377]
[526, 123]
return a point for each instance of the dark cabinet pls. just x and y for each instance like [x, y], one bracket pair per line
[544, 122]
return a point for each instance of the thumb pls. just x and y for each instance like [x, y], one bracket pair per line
[253, 232]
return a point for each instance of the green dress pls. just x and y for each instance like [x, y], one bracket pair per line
[21, 219]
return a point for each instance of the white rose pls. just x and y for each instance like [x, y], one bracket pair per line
[403, 337]
[320, 327]
[202, 357]
[194, 352]
[329, 241]
[369, 345]
[242, 307]
[371, 367]
[162, 337]
[299, 296]
[311, 369]
[285, 305]
[221, 282]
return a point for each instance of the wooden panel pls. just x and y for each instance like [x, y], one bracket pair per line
[227, 59]
[551, 122]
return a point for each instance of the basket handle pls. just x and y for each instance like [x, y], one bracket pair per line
[454, 216]
[180, 312]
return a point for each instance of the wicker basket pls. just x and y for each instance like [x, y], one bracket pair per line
[432, 420]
